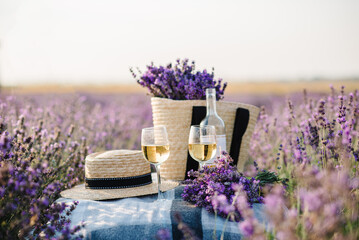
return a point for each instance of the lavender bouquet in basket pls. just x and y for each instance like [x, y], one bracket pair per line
[176, 89]
[180, 81]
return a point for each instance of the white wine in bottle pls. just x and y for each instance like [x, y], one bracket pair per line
[212, 118]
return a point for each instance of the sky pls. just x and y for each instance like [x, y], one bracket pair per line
[95, 42]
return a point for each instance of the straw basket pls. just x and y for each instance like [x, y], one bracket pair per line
[176, 115]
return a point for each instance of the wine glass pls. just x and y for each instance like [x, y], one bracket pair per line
[202, 143]
[155, 149]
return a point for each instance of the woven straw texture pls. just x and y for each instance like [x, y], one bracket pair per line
[176, 115]
[116, 164]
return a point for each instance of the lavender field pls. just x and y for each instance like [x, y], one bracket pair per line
[309, 139]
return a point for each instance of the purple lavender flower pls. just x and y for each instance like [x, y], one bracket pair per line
[214, 187]
[319, 155]
[163, 234]
[247, 228]
[179, 81]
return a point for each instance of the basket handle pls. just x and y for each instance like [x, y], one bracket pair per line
[198, 113]
[240, 127]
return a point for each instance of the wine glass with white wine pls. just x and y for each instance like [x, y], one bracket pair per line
[155, 149]
[202, 143]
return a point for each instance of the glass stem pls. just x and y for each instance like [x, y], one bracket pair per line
[201, 166]
[160, 195]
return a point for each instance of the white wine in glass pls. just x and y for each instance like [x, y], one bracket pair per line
[156, 154]
[202, 143]
[155, 149]
[202, 152]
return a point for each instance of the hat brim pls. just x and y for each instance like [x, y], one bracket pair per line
[80, 192]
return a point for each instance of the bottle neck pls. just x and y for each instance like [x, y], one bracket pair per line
[211, 104]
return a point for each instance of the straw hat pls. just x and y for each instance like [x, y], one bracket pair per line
[116, 174]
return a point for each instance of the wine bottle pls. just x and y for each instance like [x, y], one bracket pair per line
[212, 118]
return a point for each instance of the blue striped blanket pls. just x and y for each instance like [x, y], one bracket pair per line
[143, 217]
